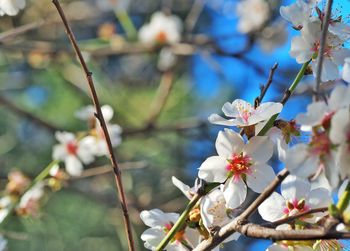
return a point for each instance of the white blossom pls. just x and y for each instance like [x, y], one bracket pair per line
[244, 114]
[296, 197]
[97, 138]
[162, 29]
[297, 13]
[11, 7]
[346, 70]
[306, 47]
[239, 165]
[73, 152]
[160, 224]
[340, 135]
[252, 15]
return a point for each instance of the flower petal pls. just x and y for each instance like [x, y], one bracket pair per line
[235, 192]
[213, 169]
[228, 142]
[294, 187]
[272, 208]
[261, 177]
[260, 148]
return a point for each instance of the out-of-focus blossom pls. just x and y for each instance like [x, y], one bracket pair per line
[189, 192]
[306, 47]
[296, 197]
[5, 205]
[252, 15]
[11, 7]
[340, 135]
[17, 183]
[106, 31]
[113, 5]
[272, 36]
[162, 29]
[244, 114]
[160, 224]
[167, 59]
[29, 204]
[73, 152]
[241, 165]
[297, 13]
[320, 113]
[96, 137]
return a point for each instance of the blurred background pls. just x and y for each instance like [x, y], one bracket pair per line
[163, 110]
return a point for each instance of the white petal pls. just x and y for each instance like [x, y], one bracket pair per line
[85, 113]
[314, 114]
[64, 137]
[107, 112]
[228, 142]
[235, 192]
[319, 197]
[262, 175]
[157, 218]
[218, 120]
[260, 148]
[59, 152]
[272, 208]
[229, 110]
[340, 126]
[213, 169]
[277, 247]
[339, 98]
[185, 189]
[265, 111]
[294, 187]
[346, 70]
[152, 237]
[73, 165]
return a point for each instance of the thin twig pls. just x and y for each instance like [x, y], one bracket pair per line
[99, 116]
[23, 113]
[193, 15]
[265, 87]
[325, 24]
[297, 216]
[163, 92]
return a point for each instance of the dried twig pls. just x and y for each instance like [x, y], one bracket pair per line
[164, 89]
[23, 113]
[99, 116]
[265, 87]
[325, 25]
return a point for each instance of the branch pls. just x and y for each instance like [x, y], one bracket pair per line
[294, 217]
[265, 87]
[99, 116]
[20, 112]
[325, 24]
[163, 92]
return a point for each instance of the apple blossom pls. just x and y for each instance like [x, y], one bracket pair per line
[17, 183]
[247, 22]
[340, 135]
[11, 7]
[160, 223]
[73, 152]
[162, 29]
[306, 47]
[239, 165]
[296, 197]
[244, 114]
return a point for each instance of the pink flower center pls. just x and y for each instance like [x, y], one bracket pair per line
[295, 206]
[326, 121]
[327, 50]
[245, 111]
[238, 165]
[179, 236]
[72, 148]
[161, 37]
[320, 144]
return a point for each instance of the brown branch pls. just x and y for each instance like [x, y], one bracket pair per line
[100, 170]
[264, 88]
[241, 220]
[23, 113]
[99, 116]
[297, 216]
[163, 92]
[325, 24]
[193, 15]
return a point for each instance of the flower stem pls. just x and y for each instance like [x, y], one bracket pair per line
[126, 23]
[285, 98]
[40, 177]
[344, 199]
[179, 223]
